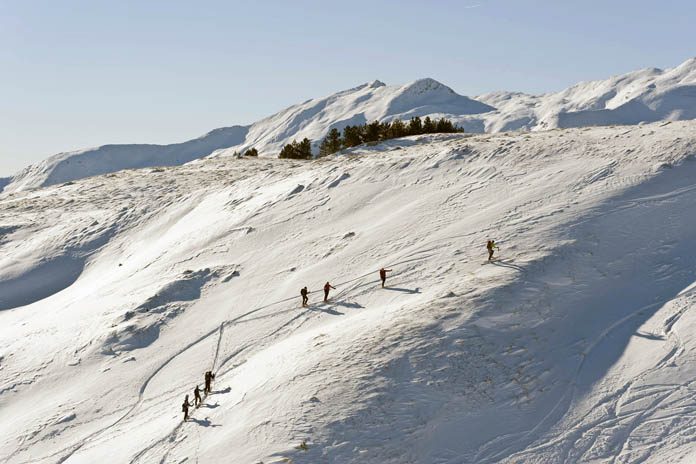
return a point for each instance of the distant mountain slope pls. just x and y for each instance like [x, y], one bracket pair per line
[648, 95]
[65, 167]
[374, 101]
[643, 96]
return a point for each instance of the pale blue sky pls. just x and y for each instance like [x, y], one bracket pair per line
[75, 74]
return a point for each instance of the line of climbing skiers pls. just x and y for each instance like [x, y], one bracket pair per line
[491, 246]
[209, 376]
[328, 287]
[197, 400]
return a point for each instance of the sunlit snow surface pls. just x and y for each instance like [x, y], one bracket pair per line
[118, 292]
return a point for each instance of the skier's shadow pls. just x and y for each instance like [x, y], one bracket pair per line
[501, 263]
[404, 290]
[225, 390]
[323, 309]
[210, 406]
[205, 422]
[347, 304]
[649, 336]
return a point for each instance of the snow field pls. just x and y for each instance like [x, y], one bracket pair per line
[573, 347]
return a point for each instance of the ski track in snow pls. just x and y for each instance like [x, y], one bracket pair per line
[256, 343]
[220, 331]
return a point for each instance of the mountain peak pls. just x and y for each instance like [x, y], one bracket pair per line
[426, 85]
[688, 64]
[376, 84]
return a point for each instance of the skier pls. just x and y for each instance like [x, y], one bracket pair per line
[383, 275]
[185, 408]
[209, 376]
[197, 396]
[327, 287]
[490, 246]
[304, 293]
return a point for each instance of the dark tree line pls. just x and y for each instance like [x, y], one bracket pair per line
[375, 131]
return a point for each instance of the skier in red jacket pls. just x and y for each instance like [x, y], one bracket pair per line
[383, 275]
[327, 287]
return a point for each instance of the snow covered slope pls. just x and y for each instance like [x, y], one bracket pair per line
[648, 95]
[643, 96]
[66, 167]
[577, 345]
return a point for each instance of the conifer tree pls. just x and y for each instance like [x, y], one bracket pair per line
[397, 129]
[445, 126]
[351, 136]
[287, 152]
[415, 127]
[304, 149]
[372, 132]
[331, 143]
[297, 150]
[385, 131]
[324, 149]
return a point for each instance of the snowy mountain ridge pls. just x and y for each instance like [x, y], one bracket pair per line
[647, 95]
[642, 96]
[70, 166]
[374, 101]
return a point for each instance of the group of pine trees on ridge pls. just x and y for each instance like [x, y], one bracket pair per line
[253, 152]
[297, 150]
[367, 133]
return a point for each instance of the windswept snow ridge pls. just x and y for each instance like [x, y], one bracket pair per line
[575, 345]
[643, 96]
